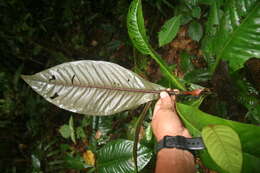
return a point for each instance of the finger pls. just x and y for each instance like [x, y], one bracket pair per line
[157, 107]
[166, 101]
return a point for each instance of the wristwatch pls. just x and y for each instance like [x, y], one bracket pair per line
[181, 142]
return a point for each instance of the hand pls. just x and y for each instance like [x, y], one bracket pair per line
[166, 122]
[165, 118]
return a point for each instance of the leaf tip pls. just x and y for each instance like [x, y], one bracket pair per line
[24, 77]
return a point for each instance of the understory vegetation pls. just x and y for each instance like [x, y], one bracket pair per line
[191, 44]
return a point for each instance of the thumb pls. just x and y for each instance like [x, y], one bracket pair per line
[166, 101]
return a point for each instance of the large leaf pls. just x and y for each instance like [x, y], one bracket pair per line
[169, 30]
[92, 87]
[238, 32]
[116, 156]
[224, 147]
[195, 120]
[136, 31]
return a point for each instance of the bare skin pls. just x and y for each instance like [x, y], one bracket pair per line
[166, 122]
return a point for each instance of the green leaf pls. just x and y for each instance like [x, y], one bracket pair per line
[195, 31]
[196, 12]
[213, 19]
[238, 35]
[196, 103]
[210, 31]
[92, 87]
[224, 146]
[195, 120]
[136, 28]
[72, 132]
[80, 133]
[185, 18]
[169, 30]
[116, 156]
[65, 131]
[148, 133]
[136, 31]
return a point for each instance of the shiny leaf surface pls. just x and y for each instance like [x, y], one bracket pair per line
[224, 146]
[92, 87]
[116, 156]
[136, 28]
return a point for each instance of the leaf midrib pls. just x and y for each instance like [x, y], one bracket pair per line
[219, 139]
[151, 91]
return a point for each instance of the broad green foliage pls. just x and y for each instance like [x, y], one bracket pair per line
[136, 31]
[195, 120]
[233, 34]
[169, 30]
[92, 87]
[136, 28]
[224, 147]
[195, 31]
[116, 156]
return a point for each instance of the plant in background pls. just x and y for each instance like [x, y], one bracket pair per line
[102, 88]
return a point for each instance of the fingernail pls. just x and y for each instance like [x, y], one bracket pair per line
[164, 94]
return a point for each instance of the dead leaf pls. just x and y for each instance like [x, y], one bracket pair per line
[89, 157]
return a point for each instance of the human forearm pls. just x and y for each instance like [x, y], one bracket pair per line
[175, 161]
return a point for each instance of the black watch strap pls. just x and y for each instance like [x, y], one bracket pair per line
[181, 142]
